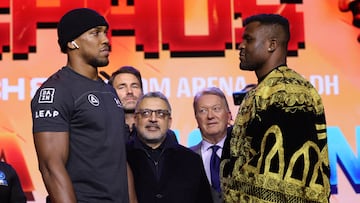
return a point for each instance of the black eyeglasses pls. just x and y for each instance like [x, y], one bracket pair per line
[147, 113]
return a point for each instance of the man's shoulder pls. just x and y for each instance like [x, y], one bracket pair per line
[130, 144]
[59, 80]
[4, 165]
[7, 169]
[196, 148]
[172, 136]
[288, 76]
[182, 149]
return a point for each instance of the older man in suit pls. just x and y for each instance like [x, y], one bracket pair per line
[214, 118]
[164, 171]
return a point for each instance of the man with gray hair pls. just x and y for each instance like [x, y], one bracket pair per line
[213, 117]
[164, 171]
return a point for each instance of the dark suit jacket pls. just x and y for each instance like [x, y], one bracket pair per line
[217, 197]
[178, 176]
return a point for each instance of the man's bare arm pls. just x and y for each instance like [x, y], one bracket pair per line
[52, 150]
[131, 185]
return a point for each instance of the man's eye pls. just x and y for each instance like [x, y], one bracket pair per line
[216, 109]
[146, 113]
[202, 111]
[95, 32]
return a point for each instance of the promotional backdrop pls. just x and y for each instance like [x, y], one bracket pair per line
[180, 47]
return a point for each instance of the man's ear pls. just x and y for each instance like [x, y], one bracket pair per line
[169, 122]
[230, 119]
[272, 45]
[72, 45]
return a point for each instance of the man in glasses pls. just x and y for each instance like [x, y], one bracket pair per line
[164, 171]
[127, 82]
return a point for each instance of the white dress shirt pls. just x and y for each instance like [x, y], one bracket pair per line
[206, 152]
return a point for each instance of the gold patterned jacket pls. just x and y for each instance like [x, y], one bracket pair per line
[278, 148]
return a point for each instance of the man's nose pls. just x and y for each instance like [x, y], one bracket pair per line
[153, 116]
[129, 90]
[210, 114]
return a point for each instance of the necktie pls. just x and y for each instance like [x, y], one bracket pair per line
[215, 168]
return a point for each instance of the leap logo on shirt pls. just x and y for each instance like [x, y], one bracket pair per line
[46, 95]
[46, 113]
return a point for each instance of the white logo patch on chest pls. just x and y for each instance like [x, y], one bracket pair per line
[93, 100]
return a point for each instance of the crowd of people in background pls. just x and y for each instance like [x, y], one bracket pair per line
[111, 142]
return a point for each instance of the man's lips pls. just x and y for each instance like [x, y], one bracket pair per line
[241, 55]
[211, 124]
[105, 50]
[152, 127]
[130, 99]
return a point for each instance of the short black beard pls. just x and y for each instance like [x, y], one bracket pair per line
[99, 63]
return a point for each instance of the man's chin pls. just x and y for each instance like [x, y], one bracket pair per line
[245, 67]
[154, 140]
[129, 111]
[100, 62]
